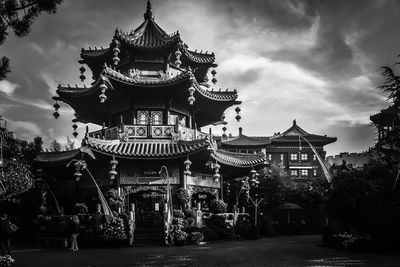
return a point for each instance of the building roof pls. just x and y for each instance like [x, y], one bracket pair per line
[148, 148]
[385, 116]
[289, 136]
[57, 158]
[112, 74]
[294, 132]
[247, 141]
[240, 160]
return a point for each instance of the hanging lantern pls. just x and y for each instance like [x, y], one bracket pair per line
[237, 109]
[187, 163]
[116, 53]
[82, 76]
[103, 96]
[216, 175]
[214, 80]
[56, 115]
[191, 90]
[56, 107]
[77, 176]
[178, 57]
[238, 118]
[191, 99]
[113, 172]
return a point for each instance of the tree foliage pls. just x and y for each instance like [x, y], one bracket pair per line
[15, 178]
[17, 16]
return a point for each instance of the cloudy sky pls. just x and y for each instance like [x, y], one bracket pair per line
[314, 61]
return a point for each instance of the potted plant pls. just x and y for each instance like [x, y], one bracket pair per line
[179, 237]
[114, 233]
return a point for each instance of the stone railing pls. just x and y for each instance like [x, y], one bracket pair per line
[187, 134]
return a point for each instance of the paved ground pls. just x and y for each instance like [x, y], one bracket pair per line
[279, 251]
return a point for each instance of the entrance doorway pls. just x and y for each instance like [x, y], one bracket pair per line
[149, 208]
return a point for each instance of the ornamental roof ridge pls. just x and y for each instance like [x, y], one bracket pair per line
[216, 95]
[198, 57]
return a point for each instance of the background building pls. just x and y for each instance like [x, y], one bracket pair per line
[287, 150]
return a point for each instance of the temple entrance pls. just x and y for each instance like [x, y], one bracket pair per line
[149, 208]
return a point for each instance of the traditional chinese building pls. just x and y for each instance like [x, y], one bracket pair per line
[152, 96]
[288, 150]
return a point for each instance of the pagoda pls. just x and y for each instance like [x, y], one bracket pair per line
[151, 95]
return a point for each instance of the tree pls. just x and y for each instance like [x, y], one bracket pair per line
[15, 178]
[70, 145]
[55, 146]
[18, 16]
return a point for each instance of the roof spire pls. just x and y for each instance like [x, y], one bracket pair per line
[149, 12]
[294, 122]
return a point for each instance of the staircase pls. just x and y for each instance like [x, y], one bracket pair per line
[149, 235]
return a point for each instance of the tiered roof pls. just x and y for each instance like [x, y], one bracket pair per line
[147, 149]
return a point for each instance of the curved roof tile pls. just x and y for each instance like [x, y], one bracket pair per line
[147, 149]
[239, 160]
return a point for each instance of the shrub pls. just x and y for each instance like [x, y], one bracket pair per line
[195, 237]
[217, 206]
[189, 213]
[178, 214]
[114, 200]
[179, 235]
[114, 230]
[209, 234]
[181, 197]
[224, 230]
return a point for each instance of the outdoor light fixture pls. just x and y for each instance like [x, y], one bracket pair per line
[187, 163]
[113, 172]
[178, 57]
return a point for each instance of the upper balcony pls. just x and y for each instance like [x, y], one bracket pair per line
[129, 133]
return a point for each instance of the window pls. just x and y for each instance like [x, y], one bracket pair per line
[282, 157]
[293, 156]
[304, 156]
[315, 172]
[314, 157]
[304, 172]
[293, 172]
[156, 118]
[142, 117]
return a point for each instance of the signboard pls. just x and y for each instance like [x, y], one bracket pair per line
[148, 176]
[156, 206]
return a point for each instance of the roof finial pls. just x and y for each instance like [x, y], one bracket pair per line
[294, 122]
[149, 12]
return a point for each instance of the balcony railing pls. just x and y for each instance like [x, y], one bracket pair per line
[138, 131]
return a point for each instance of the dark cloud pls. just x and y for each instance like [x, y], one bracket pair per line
[348, 40]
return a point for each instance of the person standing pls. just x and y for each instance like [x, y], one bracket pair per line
[74, 233]
[5, 234]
